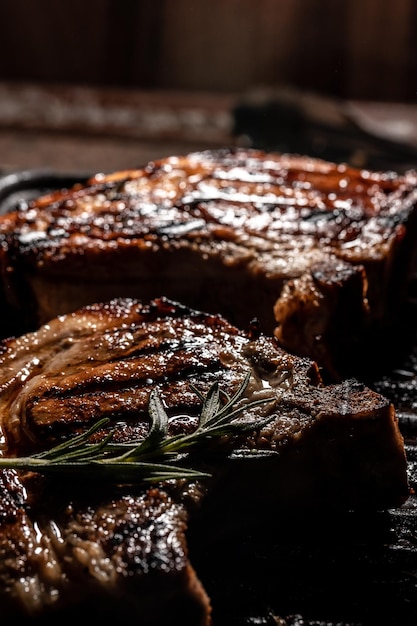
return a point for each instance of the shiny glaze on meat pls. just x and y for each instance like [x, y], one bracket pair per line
[104, 360]
[67, 546]
[245, 197]
[221, 231]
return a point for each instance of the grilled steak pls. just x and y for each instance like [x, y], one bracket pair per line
[224, 231]
[63, 544]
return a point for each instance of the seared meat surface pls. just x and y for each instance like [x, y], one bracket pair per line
[67, 548]
[223, 231]
[63, 544]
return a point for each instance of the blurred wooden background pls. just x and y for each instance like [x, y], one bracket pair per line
[361, 49]
[109, 84]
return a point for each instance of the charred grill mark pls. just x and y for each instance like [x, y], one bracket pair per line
[161, 368]
[164, 351]
[59, 416]
[153, 202]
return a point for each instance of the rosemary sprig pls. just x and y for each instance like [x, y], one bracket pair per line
[155, 458]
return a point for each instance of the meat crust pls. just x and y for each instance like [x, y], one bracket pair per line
[223, 231]
[63, 545]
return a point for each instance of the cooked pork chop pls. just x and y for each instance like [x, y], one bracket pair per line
[224, 231]
[66, 544]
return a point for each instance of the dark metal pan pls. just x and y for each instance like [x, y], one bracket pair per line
[18, 188]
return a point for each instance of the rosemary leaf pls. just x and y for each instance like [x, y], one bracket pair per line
[78, 440]
[156, 458]
[211, 405]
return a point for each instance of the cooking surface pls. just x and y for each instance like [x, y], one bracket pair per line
[348, 570]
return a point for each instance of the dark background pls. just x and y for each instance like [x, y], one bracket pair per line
[361, 49]
[100, 85]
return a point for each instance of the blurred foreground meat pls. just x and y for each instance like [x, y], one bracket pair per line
[121, 549]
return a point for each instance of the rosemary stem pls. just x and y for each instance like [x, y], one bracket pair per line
[156, 457]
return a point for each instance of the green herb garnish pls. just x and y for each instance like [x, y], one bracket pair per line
[155, 458]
